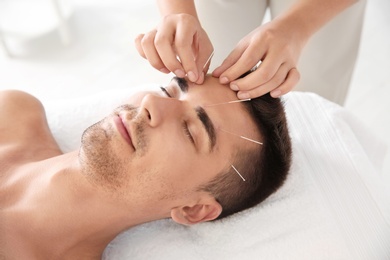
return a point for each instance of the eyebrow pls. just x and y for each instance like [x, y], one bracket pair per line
[201, 113]
[182, 83]
[208, 125]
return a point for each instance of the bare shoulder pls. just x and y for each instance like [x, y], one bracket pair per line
[18, 98]
[20, 113]
[23, 123]
[18, 104]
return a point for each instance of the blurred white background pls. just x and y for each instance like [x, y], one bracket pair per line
[101, 54]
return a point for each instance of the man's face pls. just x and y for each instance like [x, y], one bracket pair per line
[164, 147]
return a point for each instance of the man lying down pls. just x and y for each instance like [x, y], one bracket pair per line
[175, 153]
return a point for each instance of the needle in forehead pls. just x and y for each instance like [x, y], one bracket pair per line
[229, 102]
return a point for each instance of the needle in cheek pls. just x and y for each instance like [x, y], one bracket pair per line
[239, 174]
[243, 137]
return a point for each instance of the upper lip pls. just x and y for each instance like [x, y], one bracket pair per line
[127, 128]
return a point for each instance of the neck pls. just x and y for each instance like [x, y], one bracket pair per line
[72, 216]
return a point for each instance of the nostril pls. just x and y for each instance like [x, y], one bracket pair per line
[148, 114]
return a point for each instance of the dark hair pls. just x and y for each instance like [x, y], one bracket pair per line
[265, 167]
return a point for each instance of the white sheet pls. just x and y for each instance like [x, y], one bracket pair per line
[333, 205]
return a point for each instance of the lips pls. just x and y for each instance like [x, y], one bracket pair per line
[123, 130]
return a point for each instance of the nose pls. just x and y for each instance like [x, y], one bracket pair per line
[157, 109]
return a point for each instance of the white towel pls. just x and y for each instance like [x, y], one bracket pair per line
[332, 206]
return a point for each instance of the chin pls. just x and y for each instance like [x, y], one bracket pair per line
[98, 159]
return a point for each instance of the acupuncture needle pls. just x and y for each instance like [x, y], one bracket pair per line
[207, 61]
[243, 137]
[229, 102]
[234, 168]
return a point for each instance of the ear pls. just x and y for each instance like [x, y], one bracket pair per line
[201, 212]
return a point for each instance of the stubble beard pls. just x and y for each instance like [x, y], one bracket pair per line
[99, 161]
[97, 157]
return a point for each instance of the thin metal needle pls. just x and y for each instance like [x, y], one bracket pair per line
[234, 168]
[207, 61]
[243, 137]
[229, 102]
[254, 141]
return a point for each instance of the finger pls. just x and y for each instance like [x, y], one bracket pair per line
[262, 89]
[138, 46]
[203, 63]
[201, 78]
[246, 62]
[184, 47]
[231, 59]
[270, 72]
[150, 51]
[290, 82]
[272, 68]
[163, 43]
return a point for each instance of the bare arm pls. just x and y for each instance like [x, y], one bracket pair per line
[168, 7]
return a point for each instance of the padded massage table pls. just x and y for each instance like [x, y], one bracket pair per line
[334, 204]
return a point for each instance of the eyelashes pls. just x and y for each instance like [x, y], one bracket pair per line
[187, 132]
[165, 91]
[184, 124]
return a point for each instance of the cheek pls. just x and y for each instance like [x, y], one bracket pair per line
[169, 174]
[159, 181]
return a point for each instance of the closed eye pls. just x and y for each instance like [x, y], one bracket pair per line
[187, 132]
[184, 124]
[165, 91]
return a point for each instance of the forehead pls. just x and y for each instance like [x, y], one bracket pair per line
[210, 91]
[227, 118]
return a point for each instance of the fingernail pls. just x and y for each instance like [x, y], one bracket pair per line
[276, 93]
[191, 76]
[179, 73]
[224, 80]
[243, 95]
[234, 87]
[164, 70]
[201, 78]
